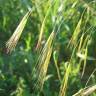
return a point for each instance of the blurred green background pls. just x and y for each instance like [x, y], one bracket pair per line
[16, 67]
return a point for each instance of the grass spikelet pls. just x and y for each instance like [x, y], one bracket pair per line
[43, 71]
[76, 33]
[12, 42]
[86, 91]
[81, 42]
[42, 29]
[63, 87]
[42, 66]
[83, 51]
[85, 59]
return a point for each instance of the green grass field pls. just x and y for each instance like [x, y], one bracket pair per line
[47, 48]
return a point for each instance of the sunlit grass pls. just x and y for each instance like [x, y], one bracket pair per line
[12, 42]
